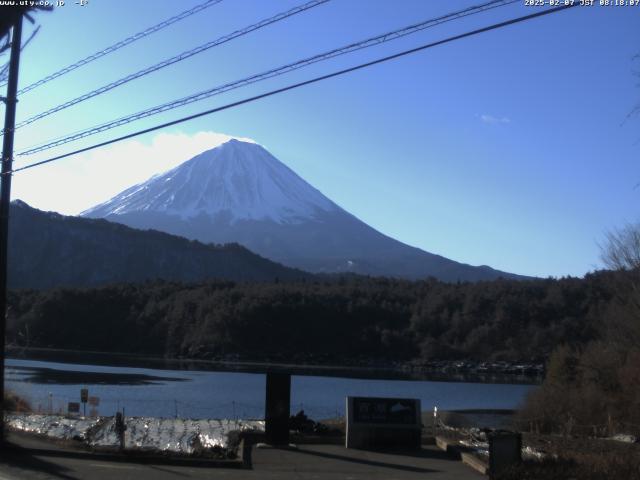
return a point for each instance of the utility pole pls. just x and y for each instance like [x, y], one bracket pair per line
[5, 195]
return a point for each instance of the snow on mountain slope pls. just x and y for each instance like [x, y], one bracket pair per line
[241, 179]
[238, 192]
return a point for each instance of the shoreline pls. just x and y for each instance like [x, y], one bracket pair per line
[445, 371]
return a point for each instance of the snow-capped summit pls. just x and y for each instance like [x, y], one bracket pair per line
[238, 192]
[237, 179]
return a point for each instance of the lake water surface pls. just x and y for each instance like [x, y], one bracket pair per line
[210, 394]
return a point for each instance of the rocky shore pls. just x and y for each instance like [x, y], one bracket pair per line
[216, 438]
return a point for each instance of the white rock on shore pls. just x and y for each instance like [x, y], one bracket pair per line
[184, 436]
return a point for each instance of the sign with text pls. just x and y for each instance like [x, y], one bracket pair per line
[73, 407]
[94, 401]
[384, 411]
[375, 422]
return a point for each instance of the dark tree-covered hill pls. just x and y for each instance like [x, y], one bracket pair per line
[47, 249]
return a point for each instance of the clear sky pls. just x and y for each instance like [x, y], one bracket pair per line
[510, 149]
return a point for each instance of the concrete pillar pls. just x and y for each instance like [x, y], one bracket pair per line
[277, 408]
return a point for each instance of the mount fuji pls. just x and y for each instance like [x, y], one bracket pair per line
[239, 192]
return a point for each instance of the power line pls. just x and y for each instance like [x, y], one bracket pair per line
[121, 43]
[300, 84]
[175, 59]
[386, 37]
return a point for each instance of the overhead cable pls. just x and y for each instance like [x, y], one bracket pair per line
[386, 37]
[177, 58]
[298, 85]
[121, 43]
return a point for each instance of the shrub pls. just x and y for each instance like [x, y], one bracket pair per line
[15, 403]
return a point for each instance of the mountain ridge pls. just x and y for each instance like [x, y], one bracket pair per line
[47, 249]
[239, 192]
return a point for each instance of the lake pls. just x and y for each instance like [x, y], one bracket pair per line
[50, 386]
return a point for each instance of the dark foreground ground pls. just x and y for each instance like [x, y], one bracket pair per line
[565, 457]
[579, 458]
[34, 459]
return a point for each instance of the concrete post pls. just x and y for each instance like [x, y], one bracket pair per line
[277, 408]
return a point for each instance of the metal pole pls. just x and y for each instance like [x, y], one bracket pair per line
[5, 195]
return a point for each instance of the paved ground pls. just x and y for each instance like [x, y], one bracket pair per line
[336, 462]
[307, 462]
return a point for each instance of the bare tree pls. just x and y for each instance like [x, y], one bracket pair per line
[621, 250]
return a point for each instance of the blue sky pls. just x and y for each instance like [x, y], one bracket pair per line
[510, 149]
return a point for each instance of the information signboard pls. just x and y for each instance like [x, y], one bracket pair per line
[384, 411]
[375, 422]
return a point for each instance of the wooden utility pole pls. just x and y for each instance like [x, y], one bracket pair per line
[5, 195]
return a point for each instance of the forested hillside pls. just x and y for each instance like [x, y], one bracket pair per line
[333, 320]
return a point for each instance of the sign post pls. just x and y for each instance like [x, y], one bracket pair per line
[120, 428]
[435, 421]
[84, 397]
[94, 402]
